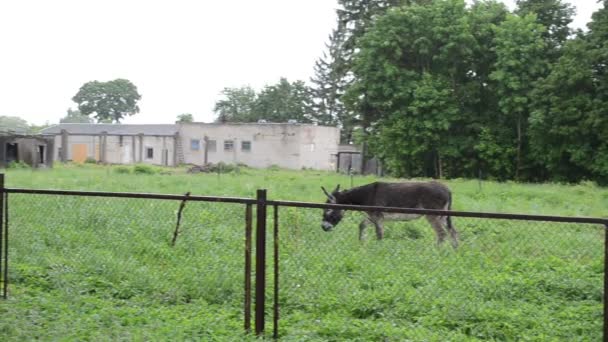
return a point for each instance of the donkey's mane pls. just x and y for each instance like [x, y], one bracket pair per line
[357, 195]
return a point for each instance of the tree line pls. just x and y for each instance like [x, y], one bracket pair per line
[442, 89]
[438, 88]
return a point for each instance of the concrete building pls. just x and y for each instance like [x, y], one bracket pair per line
[34, 150]
[288, 145]
[115, 143]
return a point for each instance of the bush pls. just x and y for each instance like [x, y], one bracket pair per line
[122, 170]
[144, 169]
[222, 167]
[274, 167]
[18, 165]
[90, 160]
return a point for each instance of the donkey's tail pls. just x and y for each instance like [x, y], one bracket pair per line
[449, 218]
[453, 232]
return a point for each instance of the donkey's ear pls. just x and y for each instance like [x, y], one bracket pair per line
[337, 188]
[327, 193]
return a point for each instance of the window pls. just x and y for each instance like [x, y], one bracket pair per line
[211, 145]
[228, 145]
[246, 146]
[195, 144]
[149, 153]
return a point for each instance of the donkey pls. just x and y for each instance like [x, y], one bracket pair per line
[420, 195]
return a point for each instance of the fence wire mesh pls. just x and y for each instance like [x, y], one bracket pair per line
[508, 280]
[82, 251]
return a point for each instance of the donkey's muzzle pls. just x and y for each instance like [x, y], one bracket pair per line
[327, 226]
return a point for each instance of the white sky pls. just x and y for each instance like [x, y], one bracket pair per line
[180, 53]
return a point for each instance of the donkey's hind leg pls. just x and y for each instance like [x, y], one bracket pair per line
[453, 232]
[362, 227]
[379, 229]
[437, 225]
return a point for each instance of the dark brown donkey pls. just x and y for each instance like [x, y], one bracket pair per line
[418, 195]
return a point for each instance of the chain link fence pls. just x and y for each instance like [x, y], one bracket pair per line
[508, 280]
[82, 251]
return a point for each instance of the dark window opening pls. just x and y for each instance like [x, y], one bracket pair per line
[149, 152]
[41, 154]
[228, 145]
[246, 146]
[12, 152]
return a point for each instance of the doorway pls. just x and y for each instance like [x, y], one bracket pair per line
[12, 152]
[41, 154]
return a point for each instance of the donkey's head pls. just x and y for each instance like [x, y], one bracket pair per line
[331, 217]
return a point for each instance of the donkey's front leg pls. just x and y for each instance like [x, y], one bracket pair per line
[379, 229]
[362, 227]
[435, 222]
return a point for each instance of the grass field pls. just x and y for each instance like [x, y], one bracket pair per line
[103, 269]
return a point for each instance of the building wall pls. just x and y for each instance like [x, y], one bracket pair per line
[125, 149]
[290, 146]
[27, 150]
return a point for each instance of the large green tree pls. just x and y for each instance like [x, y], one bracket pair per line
[186, 117]
[108, 101]
[13, 124]
[278, 102]
[236, 106]
[521, 62]
[554, 15]
[569, 127]
[412, 73]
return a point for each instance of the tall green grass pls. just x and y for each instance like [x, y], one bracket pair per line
[103, 269]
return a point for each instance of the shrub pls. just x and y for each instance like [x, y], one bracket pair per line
[222, 167]
[274, 167]
[122, 170]
[144, 169]
[90, 160]
[18, 165]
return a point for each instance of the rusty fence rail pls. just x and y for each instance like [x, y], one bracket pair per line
[281, 228]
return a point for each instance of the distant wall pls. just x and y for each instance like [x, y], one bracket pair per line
[290, 146]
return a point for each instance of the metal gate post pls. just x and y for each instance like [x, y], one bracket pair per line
[3, 241]
[606, 283]
[248, 215]
[260, 262]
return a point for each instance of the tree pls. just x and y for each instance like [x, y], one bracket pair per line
[569, 127]
[284, 101]
[186, 117]
[328, 88]
[411, 75]
[13, 124]
[237, 105]
[521, 62]
[554, 15]
[334, 71]
[75, 116]
[280, 102]
[108, 101]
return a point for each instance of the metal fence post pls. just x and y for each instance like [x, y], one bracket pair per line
[275, 330]
[260, 262]
[606, 283]
[248, 215]
[3, 242]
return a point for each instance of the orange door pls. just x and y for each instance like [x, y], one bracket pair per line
[79, 153]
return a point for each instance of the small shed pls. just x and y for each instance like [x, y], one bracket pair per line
[34, 150]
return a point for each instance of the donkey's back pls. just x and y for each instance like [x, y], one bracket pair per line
[427, 195]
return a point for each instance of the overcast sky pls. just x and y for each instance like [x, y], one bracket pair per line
[180, 54]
